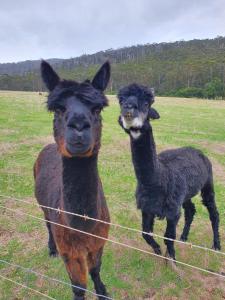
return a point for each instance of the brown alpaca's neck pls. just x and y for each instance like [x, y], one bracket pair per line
[80, 189]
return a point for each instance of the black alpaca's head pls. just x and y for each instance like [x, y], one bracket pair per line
[135, 104]
[77, 108]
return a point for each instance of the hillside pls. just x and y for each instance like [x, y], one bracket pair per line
[167, 67]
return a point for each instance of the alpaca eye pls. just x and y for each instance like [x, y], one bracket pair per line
[97, 112]
[86, 126]
[60, 110]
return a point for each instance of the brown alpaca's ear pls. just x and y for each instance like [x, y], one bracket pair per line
[153, 114]
[102, 77]
[49, 76]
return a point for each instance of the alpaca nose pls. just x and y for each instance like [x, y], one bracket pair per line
[129, 106]
[79, 135]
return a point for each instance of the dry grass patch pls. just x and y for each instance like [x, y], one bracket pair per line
[43, 140]
[218, 148]
[218, 170]
[6, 148]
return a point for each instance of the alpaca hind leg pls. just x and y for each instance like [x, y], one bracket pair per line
[51, 242]
[189, 212]
[147, 226]
[208, 199]
[171, 233]
[95, 275]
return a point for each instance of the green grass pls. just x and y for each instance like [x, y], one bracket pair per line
[25, 127]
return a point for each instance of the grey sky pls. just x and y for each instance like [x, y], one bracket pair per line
[32, 29]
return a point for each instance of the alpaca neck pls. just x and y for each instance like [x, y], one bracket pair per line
[80, 189]
[144, 157]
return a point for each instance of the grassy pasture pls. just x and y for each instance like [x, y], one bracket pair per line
[25, 127]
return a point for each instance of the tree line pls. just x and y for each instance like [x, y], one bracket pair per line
[193, 68]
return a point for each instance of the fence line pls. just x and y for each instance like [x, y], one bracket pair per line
[26, 287]
[191, 245]
[116, 242]
[53, 279]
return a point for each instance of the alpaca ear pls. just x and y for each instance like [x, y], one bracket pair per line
[153, 92]
[120, 121]
[153, 114]
[49, 76]
[101, 78]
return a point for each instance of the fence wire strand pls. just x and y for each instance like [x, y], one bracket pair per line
[116, 242]
[52, 279]
[189, 244]
[26, 287]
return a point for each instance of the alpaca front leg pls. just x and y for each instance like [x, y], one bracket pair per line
[171, 233]
[147, 226]
[78, 272]
[95, 267]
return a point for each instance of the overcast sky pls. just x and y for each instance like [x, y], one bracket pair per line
[69, 28]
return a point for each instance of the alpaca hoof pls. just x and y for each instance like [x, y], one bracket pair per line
[171, 260]
[158, 251]
[216, 246]
[183, 238]
[173, 265]
[102, 292]
[103, 296]
[53, 253]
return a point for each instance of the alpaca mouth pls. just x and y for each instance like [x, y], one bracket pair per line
[134, 122]
[128, 116]
[78, 149]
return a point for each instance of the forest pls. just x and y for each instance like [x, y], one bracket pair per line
[193, 68]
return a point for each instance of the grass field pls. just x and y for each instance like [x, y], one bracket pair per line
[25, 127]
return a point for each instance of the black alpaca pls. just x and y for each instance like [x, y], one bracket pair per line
[167, 181]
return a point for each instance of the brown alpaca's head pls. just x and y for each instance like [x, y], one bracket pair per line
[77, 110]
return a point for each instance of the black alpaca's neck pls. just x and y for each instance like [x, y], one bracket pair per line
[144, 157]
[80, 189]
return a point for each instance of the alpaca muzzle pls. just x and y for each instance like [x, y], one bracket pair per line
[129, 115]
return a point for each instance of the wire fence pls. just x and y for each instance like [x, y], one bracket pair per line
[58, 210]
[26, 287]
[52, 279]
[116, 242]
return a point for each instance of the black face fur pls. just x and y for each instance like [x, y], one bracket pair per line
[135, 104]
[77, 108]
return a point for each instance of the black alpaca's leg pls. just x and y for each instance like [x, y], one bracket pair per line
[171, 233]
[147, 226]
[189, 212]
[95, 276]
[51, 243]
[208, 199]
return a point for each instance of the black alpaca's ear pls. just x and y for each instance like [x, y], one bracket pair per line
[101, 78]
[120, 121]
[153, 114]
[49, 76]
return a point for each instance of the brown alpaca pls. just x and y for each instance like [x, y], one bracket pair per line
[66, 176]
